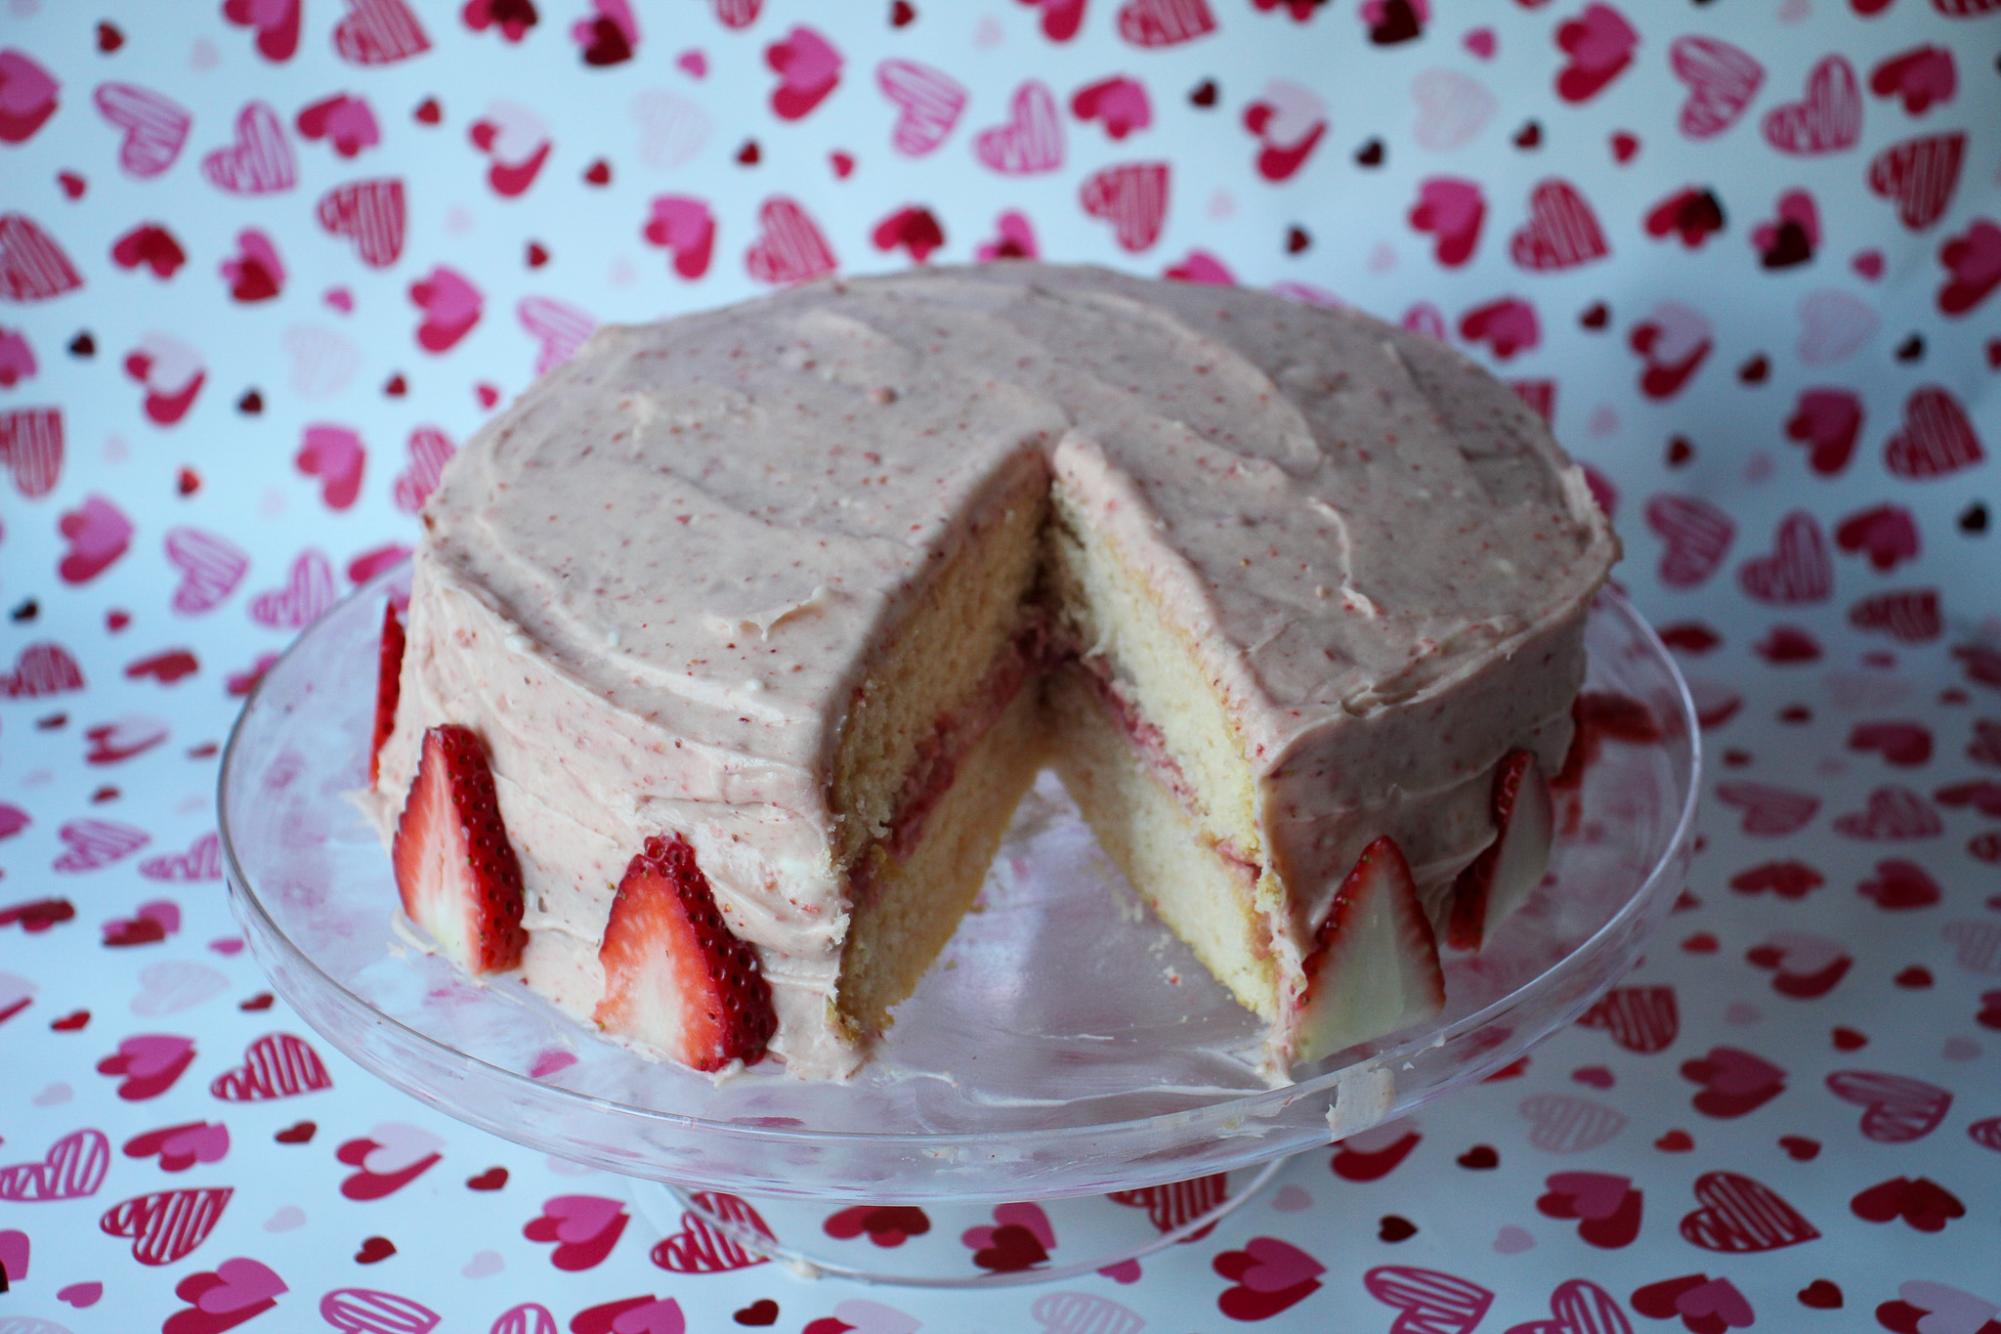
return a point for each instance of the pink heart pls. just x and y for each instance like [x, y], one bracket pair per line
[98, 533]
[451, 306]
[808, 67]
[244, 1283]
[80, 1295]
[1032, 139]
[336, 456]
[684, 225]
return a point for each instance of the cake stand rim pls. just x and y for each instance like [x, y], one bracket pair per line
[268, 933]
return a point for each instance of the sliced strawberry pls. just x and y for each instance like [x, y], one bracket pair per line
[388, 685]
[457, 871]
[1496, 882]
[675, 977]
[1374, 966]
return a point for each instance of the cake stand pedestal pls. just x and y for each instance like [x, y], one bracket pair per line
[1065, 1048]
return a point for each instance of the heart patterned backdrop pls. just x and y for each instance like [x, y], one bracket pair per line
[264, 262]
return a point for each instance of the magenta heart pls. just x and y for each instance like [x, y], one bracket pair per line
[1591, 1194]
[1276, 1265]
[244, 1283]
[580, 1218]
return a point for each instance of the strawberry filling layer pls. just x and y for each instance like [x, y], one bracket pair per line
[1150, 744]
[952, 737]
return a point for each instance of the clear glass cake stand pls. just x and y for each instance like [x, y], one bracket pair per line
[1066, 1048]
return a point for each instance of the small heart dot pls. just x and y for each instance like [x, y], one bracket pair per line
[73, 1022]
[1675, 1141]
[263, 1000]
[1297, 240]
[27, 611]
[104, 794]
[397, 386]
[538, 254]
[1480, 1158]
[1795, 714]
[374, 1250]
[1734, 758]
[109, 39]
[1512, 1240]
[117, 619]
[1679, 451]
[1702, 942]
[1800, 1148]
[598, 173]
[1529, 136]
[1915, 978]
[251, 403]
[493, 1178]
[1821, 1295]
[1973, 519]
[187, 481]
[1203, 94]
[428, 112]
[1593, 1076]
[1625, 147]
[487, 395]
[1755, 371]
[902, 14]
[842, 163]
[300, 1132]
[749, 155]
[72, 184]
[1370, 154]
[1596, 316]
[761, 1312]
[83, 345]
[1847, 1039]
[1395, 1228]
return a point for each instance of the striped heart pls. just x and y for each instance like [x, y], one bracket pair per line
[260, 161]
[371, 214]
[1896, 1110]
[211, 567]
[276, 1065]
[1742, 1215]
[1133, 198]
[699, 1248]
[73, 1167]
[32, 266]
[1032, 139]
[155, 126]
[167, 1224]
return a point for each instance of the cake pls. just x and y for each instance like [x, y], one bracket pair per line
[732, 645]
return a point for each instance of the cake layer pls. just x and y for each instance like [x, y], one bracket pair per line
[909, 894]
[720, 577]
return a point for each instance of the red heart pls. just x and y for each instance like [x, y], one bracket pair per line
[1937, 438]
[1919, 1201]
[1733, 1081]
[1887, 534]
[1267, 1276]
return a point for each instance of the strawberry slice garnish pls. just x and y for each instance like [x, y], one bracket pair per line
[460, 879]
[388, 685]
[675, 977]
[1373, 968]
[1496, 882]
